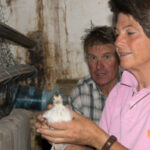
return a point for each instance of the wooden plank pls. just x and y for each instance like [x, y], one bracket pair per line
[11, 34]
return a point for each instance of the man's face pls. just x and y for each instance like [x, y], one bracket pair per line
[103, 64]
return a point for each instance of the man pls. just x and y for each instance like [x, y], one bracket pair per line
[89, 95]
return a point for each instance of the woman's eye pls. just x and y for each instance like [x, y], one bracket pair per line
[131, 33]
[116, 35]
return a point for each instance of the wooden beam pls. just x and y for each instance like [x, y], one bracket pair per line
[11, 34]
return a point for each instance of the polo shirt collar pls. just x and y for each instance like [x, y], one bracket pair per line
[129, 79]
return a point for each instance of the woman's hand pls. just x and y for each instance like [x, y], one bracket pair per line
[41, 122]
[78, 131]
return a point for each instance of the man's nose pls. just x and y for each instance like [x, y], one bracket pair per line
[99, 64]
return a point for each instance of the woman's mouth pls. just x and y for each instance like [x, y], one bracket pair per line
[122, 54]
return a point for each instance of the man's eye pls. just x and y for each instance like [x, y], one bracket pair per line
[92, 58]
[107, 56]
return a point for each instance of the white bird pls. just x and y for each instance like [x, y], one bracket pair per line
[57, 114]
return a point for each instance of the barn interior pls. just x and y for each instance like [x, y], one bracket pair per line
[40, 52]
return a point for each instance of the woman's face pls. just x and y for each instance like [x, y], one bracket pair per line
[132, 44]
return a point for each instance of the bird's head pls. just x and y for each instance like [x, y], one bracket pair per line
[57, 99]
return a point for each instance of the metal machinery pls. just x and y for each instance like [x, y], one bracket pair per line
[11, 73]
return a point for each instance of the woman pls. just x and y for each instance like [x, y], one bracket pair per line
[126, 113]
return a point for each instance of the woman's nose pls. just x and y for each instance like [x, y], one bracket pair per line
[119, 40]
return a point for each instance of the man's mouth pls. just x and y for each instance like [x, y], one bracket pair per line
[100, 74]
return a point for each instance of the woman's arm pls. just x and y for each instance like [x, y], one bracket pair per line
[78, 147]
[80, 131]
